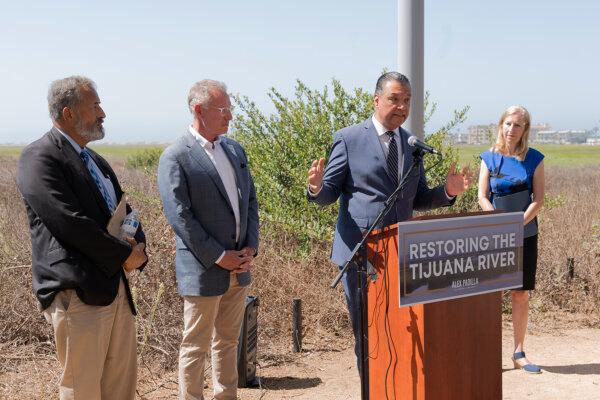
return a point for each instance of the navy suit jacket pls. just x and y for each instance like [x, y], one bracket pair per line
[357, 174]
[70, 246]
[197, 207]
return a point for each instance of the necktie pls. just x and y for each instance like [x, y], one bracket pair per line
[85, 156]
[392, 158]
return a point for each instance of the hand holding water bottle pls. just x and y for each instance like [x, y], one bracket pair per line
[128, 229]
[130, 224]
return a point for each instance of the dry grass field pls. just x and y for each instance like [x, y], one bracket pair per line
[570, 228]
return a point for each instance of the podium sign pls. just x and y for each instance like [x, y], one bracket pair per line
[449, 258]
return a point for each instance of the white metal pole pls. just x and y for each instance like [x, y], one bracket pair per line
[411, 16]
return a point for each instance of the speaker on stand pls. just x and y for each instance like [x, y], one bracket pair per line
[247, 347]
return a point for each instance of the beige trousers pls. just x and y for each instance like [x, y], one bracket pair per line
[96, 347]
[219, 318]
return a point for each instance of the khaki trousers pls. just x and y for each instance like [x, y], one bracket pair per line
[96, 347]
[219, 318]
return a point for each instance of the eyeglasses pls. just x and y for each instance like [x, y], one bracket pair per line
[224, 110]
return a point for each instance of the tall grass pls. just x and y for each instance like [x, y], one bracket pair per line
[282, 272]
[285, 269]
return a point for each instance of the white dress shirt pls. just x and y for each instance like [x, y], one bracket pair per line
[217, 156]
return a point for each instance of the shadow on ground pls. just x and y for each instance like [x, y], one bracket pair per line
[577, 369]
[289, 383]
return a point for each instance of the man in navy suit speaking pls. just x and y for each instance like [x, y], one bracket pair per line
[366, 163]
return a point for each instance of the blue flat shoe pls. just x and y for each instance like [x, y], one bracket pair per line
[529, 368]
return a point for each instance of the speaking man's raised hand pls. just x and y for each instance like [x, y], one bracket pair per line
[457, 182]
[315, 175]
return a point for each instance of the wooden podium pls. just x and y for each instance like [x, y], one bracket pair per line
[438, 351]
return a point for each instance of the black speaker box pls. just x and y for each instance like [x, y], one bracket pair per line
[247, 348]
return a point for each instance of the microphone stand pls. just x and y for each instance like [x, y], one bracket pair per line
[355, 258]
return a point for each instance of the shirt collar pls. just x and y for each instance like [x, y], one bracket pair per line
[202, 140]
[70, 140]
[381, 130]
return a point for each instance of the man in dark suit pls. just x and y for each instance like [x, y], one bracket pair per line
[79, 270]
[366, 163]
[209, 200]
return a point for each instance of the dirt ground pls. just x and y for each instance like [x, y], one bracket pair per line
[569, 357]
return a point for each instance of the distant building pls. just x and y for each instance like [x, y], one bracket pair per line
[458, 137]
[481, 134]
[535, 128]
[538, 134]
[562, 137]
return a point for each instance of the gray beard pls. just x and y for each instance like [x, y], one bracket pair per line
[91, 134]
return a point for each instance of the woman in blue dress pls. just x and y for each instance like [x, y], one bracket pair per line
[511, 167]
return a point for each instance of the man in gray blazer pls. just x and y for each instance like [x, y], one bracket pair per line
[209, 199]
[366, 163]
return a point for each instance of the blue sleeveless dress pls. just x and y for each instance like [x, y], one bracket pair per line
[507, 176]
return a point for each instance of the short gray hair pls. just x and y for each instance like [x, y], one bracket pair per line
[391, 76]
[200, 93]
[67, 92]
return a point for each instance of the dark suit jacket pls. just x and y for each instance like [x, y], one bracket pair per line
[70, 246]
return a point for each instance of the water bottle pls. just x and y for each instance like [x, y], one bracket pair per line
[130, 224]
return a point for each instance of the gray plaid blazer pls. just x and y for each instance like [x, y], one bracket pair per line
[197, 207]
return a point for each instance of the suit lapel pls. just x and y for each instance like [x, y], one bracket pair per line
[404, 153]
[79, 168]
[199, 155]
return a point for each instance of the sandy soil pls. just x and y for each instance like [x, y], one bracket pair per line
[570, 359]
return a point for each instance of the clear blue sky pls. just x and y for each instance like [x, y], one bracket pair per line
[145, 55]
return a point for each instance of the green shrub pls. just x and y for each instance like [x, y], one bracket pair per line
[438, 171]
[281, 147]
[145, 159]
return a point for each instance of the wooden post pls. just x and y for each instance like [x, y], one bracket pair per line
[570, 269]
[297, 325]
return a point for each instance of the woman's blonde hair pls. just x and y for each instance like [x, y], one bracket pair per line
[521, 150]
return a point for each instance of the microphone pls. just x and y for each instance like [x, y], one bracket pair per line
[415, 142]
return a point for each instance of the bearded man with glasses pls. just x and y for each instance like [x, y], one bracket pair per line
[79, 269]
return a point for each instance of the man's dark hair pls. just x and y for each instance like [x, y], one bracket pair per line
[391, 76]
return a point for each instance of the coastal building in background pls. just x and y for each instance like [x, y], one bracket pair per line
[456, 138]
[562, 137]
[535, 128]
[540, 133]
[481, 134]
